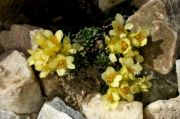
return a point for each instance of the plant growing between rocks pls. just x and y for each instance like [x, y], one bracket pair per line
[115, 55]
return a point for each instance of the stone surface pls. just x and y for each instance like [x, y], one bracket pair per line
[105, 5]
[57, 109]
[19, 90]
[178, 73]
[160, 52]
[163, 86]
[139, 3]
[73, 88]
[173, 14]
[95, 109]
[163, 109]
[4, 114]
[17, 38]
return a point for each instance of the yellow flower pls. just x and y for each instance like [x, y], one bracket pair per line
[139, 38]
[143, 83]
[113, 44]
[129, 64]
[125, 45]
[67, 48]
[118, 45]
[119, 28]
[49, 42]
[135, 55]
[112, 98]
[40, 60]
[126, 73]
[61, 63]
[125, 91]
[111, 77]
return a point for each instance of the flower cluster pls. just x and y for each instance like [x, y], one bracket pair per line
[54, 53]
[122, 44]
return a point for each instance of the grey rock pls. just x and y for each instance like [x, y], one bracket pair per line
[57, 109]
[163, 86]
[163, 109]
[18, 38]
[19, 90]
[95, 109]
[4, 114]
[178, 73]
[160, 17]
[173, 14]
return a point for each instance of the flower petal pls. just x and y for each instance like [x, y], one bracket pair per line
[128, 26]
[70, 66]
[119, 19]
[61, 71]
[112, 57]
[43, 74]
[59, 35]
[69, 58]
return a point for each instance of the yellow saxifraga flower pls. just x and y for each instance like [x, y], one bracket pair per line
[53, 53]
[61, 63]
[125, 91]
[40, 60]
[119, 28]
[111, 77]
[143, 83]
[135, 55]
[67, 48]
[117, 45]
[49, 42]
[130, 65]
[139, 38]
[111, 98]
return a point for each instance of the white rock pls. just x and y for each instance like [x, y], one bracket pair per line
[95, 109]
[178, 73]
[163, 109]
[4, 114]
[57, 109]
[49, 112]
[19, 90]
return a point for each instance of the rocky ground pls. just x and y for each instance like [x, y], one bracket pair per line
[24, 96]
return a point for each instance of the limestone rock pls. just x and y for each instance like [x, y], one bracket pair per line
[163, 86]
[178, 73]
[19, 90]
[163, 109]
[17, 38]
[57, 109]
[95, 109]
[160, 51]
[4, 114]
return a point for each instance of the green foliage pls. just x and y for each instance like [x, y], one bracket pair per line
[87, 37]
